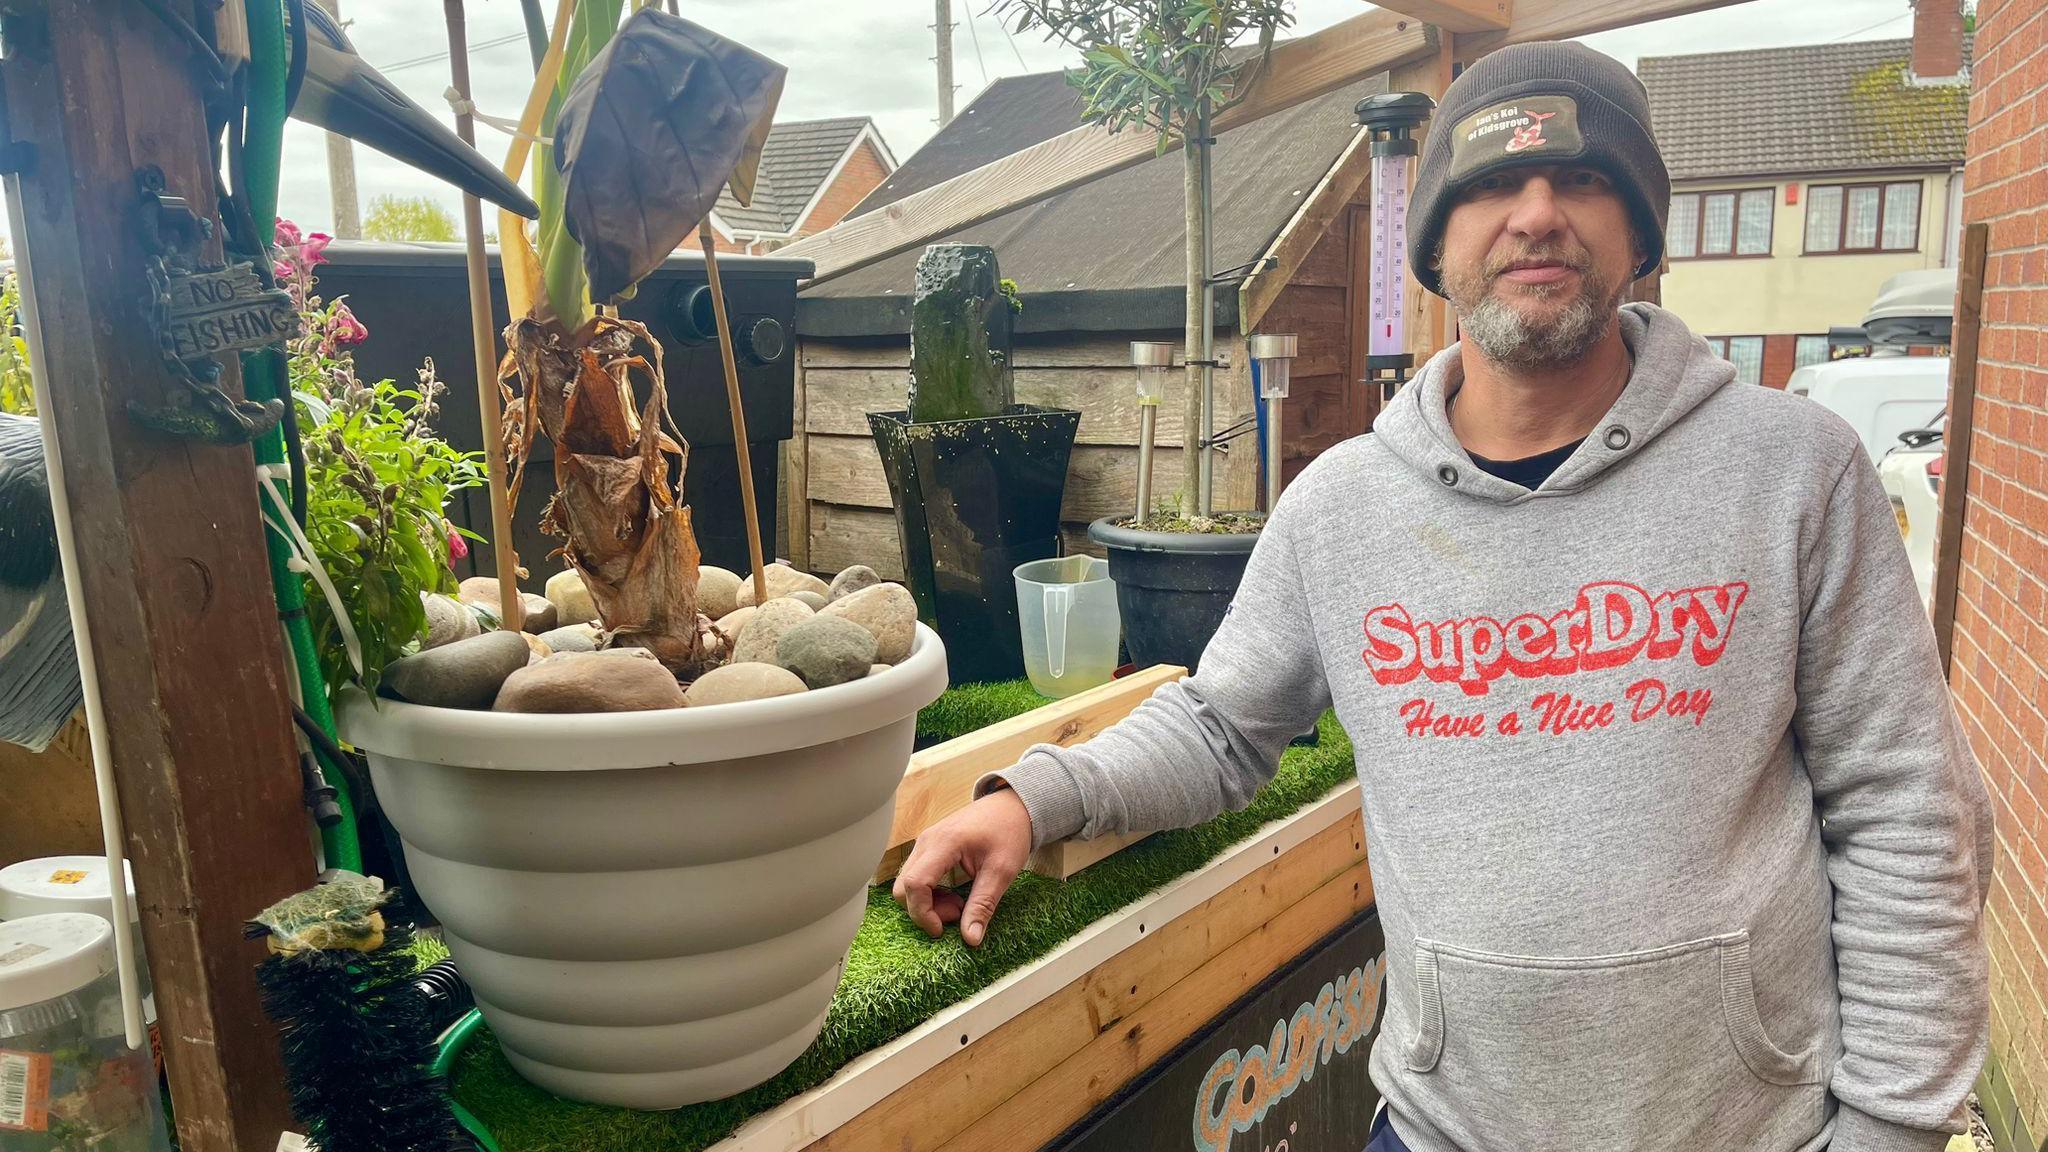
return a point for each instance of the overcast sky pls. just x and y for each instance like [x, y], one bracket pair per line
[874, 58]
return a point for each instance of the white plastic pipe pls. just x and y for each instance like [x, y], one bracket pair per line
[81, 637]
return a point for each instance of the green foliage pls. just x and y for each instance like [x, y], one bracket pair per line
[407, 218]
[896, 977]
[17, 388]
[1154, 63]
[561, 258]
[1008, 288]
[378, 481]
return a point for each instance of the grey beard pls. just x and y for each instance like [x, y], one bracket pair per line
[1505, 338]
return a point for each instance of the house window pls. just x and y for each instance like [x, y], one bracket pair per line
[1734, 223]
[1863, 217]
[1810, 350]
[1745, 352]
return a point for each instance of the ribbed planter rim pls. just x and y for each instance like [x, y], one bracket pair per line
[590, 742]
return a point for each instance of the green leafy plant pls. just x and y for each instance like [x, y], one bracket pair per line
[1169, 67]
[407, 218]
[17, 389]
[378, 480]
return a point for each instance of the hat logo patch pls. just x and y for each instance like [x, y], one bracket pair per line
[1517, 131]
[1531, 136]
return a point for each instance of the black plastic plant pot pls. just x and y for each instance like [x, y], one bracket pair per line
[1172, 588]
[974, 499]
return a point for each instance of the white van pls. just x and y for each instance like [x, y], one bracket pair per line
[1890, 392]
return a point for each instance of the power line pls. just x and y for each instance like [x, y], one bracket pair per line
[431, 57]
[1013, 44]
[976, 37]
[1871, 28]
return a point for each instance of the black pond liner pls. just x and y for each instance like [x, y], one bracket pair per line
[974, 499]
[1172, 588]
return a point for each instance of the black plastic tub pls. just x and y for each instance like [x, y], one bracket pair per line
[974, 499]
[1172, 588]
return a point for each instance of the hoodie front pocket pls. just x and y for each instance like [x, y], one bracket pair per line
[1655, 1049]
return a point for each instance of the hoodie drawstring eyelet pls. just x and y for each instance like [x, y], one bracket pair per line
[1617, 438]
[1448, 475]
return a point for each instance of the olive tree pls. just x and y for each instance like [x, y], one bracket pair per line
[1168, 67]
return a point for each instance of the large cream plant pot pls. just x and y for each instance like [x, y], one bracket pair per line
[653, 908]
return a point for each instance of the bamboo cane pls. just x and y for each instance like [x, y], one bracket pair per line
[739, 415]
[511, 610]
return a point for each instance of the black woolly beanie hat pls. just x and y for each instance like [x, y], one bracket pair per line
[1550, 102]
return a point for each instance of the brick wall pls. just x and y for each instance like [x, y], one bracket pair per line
[2000, 664]
[1781, 355]
[864, 171]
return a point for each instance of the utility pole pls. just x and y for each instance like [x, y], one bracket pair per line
[341, 172]
[944, 27]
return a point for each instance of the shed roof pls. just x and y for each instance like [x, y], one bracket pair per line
[1816, 108]
[1108, 255]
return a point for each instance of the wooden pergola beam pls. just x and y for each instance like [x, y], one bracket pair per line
[1564, 19]
[1299, 70]
[1457, 15]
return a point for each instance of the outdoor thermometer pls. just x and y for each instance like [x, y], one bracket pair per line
[1391, 118]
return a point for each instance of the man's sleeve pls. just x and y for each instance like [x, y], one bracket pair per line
[1907, 827]
[1202, 745]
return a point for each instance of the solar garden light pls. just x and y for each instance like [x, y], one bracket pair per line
[1154, 362]
[1274, 355]
[1392, 118]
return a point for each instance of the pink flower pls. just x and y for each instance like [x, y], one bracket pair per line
[283, 271]
[287, 234]
[345, 329]
[458, 548]
[313, 250]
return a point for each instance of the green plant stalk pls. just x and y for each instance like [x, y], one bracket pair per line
[263, 378]
[561, 258]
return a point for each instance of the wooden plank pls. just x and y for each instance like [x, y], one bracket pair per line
[1565, 19]
[1956, 439]
[842, 537]
[1056, 1100]
[1299, 70]
[1101, 480]
[1304, 232]
[940, 779]
[795, 522]
[1457, 15]
[870, 1078]
[1062, 860]
[1107, 398]
[935, 1107]
[171, 552]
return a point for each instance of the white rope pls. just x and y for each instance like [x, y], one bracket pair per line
[509, 127]
[303, 560]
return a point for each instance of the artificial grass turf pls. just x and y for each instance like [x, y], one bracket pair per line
[896, 977]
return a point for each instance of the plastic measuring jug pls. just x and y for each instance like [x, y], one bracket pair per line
[1067, 610]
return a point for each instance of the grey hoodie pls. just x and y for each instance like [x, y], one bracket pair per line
[1676, 839]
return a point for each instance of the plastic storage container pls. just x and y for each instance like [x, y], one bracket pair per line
[1066, 609]
[77, 884]
[68, 1080]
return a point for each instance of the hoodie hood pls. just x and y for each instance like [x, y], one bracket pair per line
[1675, 372]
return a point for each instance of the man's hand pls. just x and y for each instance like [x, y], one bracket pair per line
[989, 840]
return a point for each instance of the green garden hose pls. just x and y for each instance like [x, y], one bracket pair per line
[453, 1042]
[263, 378]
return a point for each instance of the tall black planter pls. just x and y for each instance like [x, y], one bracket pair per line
[974, 499]
[1172, 588]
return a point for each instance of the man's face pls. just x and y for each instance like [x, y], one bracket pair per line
[1536, 261]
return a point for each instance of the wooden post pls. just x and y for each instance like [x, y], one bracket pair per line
[511, 609]
[171, 553]
[1962, 403]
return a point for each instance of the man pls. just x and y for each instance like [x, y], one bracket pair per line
[1676, 839]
